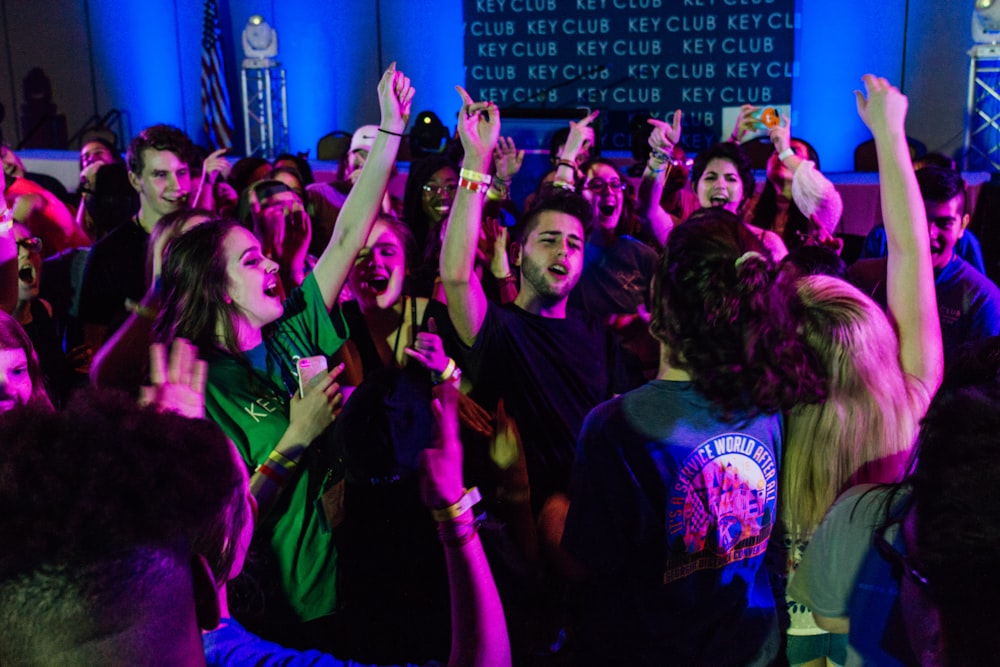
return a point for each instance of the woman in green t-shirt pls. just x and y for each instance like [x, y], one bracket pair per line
[222, 293]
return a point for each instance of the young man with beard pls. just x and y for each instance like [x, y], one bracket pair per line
[548, 364]
[968, 301]
[158, 163]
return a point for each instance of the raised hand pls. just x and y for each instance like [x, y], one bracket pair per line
[178, 385]
[478, 128]
[781, 134]
[506, 159]
[665, 135]
[441, 479]
[216, 163]
[297, 234]
[395, 97]
[581, 137]
[884, 110]
[745, 122]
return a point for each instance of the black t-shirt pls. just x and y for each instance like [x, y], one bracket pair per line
[550, 373]
[116, 270]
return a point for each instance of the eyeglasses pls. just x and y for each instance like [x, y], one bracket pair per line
[688, 162]
[439, 190]
[599, 185]
[901, 563]
[33, 244]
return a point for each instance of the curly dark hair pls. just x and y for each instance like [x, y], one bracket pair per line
[726, 320]
[104, 477]
[726, 150]
[194, 288]
[159, 138]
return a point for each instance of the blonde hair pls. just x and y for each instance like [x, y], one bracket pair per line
[865, 429]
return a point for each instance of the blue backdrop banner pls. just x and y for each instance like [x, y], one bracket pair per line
[706, 57]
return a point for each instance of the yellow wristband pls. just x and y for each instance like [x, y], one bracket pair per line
[469, 498]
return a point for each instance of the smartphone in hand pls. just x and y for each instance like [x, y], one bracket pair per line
[308, 368]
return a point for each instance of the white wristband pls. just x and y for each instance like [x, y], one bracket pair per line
[785, 154]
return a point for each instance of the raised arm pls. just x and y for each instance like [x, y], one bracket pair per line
[215, 167]
[363, 204]
[811, 191]
[910, 277]
[662, 140]
[478, 628]
[478, 128]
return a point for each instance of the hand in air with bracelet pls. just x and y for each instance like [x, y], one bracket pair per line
[441, 479]
[662, 140]
[395, 97]
[479, 131]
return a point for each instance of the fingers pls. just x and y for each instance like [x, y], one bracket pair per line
[157, 364]
[588, 119]
[199, 376]
[466, 98]
[182, 357]
[432, 326]
[676, 126]
[861, 102]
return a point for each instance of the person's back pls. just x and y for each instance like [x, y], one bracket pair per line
[674, 488]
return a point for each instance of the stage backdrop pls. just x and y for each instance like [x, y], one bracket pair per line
[706, 57]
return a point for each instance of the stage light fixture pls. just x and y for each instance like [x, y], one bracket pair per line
[428, 135]
[986, 22]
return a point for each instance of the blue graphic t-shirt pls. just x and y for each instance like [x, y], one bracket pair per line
[671, 511]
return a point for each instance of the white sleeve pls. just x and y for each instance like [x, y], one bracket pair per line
[816, 196]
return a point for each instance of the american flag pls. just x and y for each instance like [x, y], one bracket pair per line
[214, 96]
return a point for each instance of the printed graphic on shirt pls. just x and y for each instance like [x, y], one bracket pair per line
[722, 507]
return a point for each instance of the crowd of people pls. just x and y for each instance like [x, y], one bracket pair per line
[251, 418]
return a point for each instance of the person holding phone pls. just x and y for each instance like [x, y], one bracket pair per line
[221, 292]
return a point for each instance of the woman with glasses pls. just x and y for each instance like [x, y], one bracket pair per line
[36, 316]
[430, 191]
[617, 267]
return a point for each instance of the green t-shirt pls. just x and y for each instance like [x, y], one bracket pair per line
[253, 412]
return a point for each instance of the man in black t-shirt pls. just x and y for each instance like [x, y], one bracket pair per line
[549, 364]
[158, 164]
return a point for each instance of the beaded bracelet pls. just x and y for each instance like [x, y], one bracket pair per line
[660, 156]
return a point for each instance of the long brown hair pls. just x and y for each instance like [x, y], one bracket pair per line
[12, 337]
